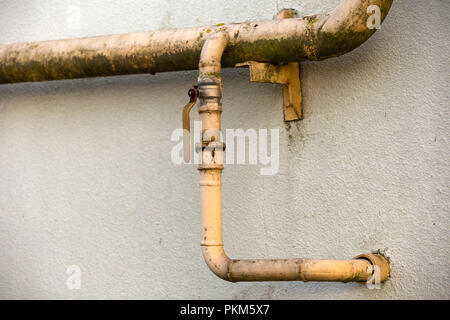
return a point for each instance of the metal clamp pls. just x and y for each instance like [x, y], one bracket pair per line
[288, 75]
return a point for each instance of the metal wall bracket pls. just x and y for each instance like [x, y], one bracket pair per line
[288, 75]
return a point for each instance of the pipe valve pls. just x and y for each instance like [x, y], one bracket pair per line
[193, 94]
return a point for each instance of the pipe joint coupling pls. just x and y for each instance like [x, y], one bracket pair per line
[211, 146]
[211, 154]
[210, 91]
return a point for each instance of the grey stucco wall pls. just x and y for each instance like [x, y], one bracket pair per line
[86, 177]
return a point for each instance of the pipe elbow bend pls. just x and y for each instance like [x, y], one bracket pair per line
[347, 27]
[217, 261]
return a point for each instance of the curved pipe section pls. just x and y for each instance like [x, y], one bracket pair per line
[276, 41]
[359, 269]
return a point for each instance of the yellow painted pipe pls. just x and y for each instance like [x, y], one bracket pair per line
[361, 269]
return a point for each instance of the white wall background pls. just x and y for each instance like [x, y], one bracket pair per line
[86, 177]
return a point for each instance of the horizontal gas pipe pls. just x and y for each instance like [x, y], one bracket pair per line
[276, 41]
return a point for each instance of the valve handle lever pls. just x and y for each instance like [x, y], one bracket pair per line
[193, 94]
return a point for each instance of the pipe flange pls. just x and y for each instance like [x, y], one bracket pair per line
[379, 261]
[209, 90]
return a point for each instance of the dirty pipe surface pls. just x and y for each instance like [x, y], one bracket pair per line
[277, 41]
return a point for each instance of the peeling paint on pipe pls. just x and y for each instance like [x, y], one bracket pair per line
[276, 41]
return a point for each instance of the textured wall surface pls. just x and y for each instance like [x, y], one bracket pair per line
[86, 177]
